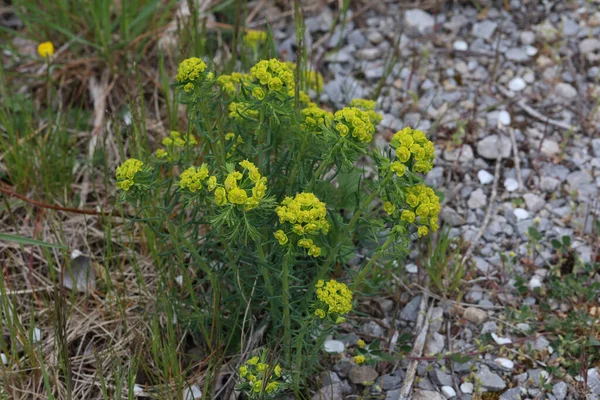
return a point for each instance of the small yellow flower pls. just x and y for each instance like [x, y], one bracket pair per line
[257, 387]
[220, 196]
[320, 283]
[243, 371]
[253, 361]
[389, 208]
[281, 237]
[423, 231]
[336, 297]
[408, 216]
[314, 251]
[161, 154]
[320, 313]
[359, 359]
[272, 387]
[45, 49]
[190, 69]
[361, 344]
[126, 172]
[277, 371]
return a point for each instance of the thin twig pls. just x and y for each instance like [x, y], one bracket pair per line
[516, 156]
[536, 114]
[422, 327]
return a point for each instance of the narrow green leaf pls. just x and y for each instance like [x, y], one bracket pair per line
[22, 240]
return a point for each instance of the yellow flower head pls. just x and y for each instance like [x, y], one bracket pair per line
[354, 122]
[359, 359]
[281, 237]
[422, 208]
[368, 106]
[272, 387]
[273, 75]
[335, 297]
[414, 150]
[126, 172]
[277, 371]
[220, 196]
[190, 70]
[254, 37]
[45, 49]
[193, 177]
[320, 313]
[389, 208]
[176, 139]
[161, 154]
[315, 119]
[361, 344]
[253, 361]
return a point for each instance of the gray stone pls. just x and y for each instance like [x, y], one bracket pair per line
[435, 344]
[549, 184]
[489, 327]
[389, 382]
[534, 202]
[375, 37]
[547, 32]
[437, 318]
[448, 392]
[517, 84]
[393, 395]
[427, 395]
[484, 29]
[410, 312]
[329, 378]
[373, 329]
[462, 154]
[511, 394]
[452, 217]
[527, 37]
[579, 178]
[343, 89]
[477, 200]
[475, 315]
[440, 378]
[418, 22]
[331, 392]
[559, 390]
[550, 148]
[596, 147]
[363, 375]
[593, 380]
[435, 177]
[490, 381]
[370, 54]
[517, 54]
[490, 146]
[569, 27]
[356, 38]
[537, 375]
[590, 48]
[566, 91]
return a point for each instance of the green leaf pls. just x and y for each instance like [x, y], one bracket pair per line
[556, 244]
[27, 241]
[566, 240]
[534, 233]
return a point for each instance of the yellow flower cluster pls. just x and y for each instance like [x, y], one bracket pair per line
[413, 150]
[242, 111]
[232, 192]
[368, 106]
[307, 215]
[274, 75]
[230, 83]
[177, 140]
[359, 359]
[126, 172]
[335, 298]
[423, 208]
[315, 118]
[261, 377]
[354, 122]
[254, 37]
[189, 71]
[193, 177]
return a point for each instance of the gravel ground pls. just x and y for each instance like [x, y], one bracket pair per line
[509, 95]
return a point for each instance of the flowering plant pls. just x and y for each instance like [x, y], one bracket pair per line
[263, 196]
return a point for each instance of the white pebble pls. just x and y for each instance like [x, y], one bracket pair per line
[531, 51]
[37, 334]
[411, 268]
[4, 359]
[504, 117]
[505, 363]
[521, 213]
[500, 340]
[460, 45]
[485, 177]
[466, 388]
[517, 84]
[192, 393]
[75, 253]
[511, 184]
[334, 346]
[534, 283]
[137, 390]
[448, 391]
[179, 280]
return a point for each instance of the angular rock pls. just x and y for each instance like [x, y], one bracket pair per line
[490, 381]
[475, 315]
[331, 392]
[410, 312]
[534, 202]
[511, 394]
[418, 22]
[427, 395]
[565, 91]
[435, 344]
[490, 146]
[484, 29]
[363, 375]
[559, 390]
[477, 200]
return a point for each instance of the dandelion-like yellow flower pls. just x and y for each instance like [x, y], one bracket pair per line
[413, 150]
[190, 70]
[193, 177]
[361, 344]
[46, 49]
[359, 359]
[126, 172]
[336, 296]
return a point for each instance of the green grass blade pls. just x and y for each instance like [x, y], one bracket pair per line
[22, 240]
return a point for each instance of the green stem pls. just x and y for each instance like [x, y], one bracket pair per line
[365, 205]
[265, 274]
[365, 271]
[297, 165]
[285, 300]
